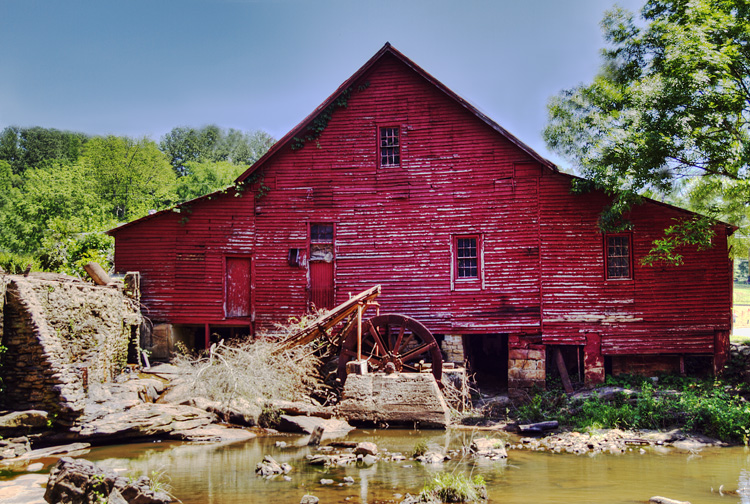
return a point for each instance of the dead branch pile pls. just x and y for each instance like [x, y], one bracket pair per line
[255, 372]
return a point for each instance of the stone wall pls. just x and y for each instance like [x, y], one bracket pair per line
[526, 367]
[453, 348]
[61, 335]
[739, 362]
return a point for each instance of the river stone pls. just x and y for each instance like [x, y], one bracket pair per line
[332, 427]
[213, 433]
[366, 448]
[665, 500]
[432, 458]
[25, 489]
[398, 398]
[301, 408]
[147, 419]
[309, 499]
[22, 420]
[78, 481]
[491, 448]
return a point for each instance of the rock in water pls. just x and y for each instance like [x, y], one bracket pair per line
[81, 482]
[366, 448]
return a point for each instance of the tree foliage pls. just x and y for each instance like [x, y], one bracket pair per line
[667, 114]
[31, 147]
[213, 144]
[60, 191]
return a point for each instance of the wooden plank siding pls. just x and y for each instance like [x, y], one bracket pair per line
[541, 253]
[661, 309]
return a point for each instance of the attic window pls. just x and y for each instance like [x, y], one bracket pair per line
[389, 147]
[618, 257]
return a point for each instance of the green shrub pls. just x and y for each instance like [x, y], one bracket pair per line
[17, 263]
[420, 448]
[711, 407]
[454, 487]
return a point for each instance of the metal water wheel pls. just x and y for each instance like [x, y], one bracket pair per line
[393, 338]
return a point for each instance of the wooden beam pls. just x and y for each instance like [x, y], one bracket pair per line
[563, 371]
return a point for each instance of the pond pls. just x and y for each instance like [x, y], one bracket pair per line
[225, 474]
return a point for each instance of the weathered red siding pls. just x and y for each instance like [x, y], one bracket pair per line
[663, 308]
[541, 253]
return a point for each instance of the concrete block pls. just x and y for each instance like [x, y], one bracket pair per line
[399, 398]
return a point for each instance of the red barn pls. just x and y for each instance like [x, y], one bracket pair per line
[395, 180]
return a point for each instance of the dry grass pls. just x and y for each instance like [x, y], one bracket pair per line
[255, 372]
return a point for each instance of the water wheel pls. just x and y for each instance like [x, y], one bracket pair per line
[393, 338]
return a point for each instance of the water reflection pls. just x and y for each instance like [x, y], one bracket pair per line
[226, 474]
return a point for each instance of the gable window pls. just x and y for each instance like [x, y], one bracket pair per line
[390, 153]
[618, 257]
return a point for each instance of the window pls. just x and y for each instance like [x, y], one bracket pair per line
[389, 147]
[618, 258]
[467, 268]
[467, 259]
[321, 233]
[321, 242]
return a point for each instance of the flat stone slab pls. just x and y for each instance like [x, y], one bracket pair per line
[214, 433]
[398, 398]
[331, 427]
[147, 419]
[23, 420]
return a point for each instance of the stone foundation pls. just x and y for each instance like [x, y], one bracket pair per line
[526, 367]
[61, 335]
[398, 398]
[453, 348]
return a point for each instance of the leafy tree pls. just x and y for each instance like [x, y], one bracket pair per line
[203, 178]
[666, 116]
[243, 148]
[210, 144]
[130, 176]
[34, 147]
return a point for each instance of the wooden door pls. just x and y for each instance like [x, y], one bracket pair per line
[237, 287]
[321, 284]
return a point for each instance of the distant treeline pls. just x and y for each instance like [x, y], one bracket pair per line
[60, 190]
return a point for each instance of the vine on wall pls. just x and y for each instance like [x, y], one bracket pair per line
[318, 125]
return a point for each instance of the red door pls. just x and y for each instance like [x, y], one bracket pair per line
[321, 284]
[237, 287]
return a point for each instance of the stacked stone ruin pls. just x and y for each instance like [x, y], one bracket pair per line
[60, 335]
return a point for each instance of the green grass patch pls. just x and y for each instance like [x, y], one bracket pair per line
[710, 407]
[454, 487]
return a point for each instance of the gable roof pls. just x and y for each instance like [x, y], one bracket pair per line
[387, 49]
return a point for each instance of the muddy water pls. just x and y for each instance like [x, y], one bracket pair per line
[213, 474]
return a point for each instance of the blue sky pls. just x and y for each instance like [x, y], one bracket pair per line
[140, 68]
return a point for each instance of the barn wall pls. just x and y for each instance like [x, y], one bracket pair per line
[676, 309]
[542, 253]
[182, 256]
[394, 227]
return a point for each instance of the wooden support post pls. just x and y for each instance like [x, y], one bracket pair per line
[563, 371]
[359, 332]
[207, 337]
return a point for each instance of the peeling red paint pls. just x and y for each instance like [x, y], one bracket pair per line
[542, 255]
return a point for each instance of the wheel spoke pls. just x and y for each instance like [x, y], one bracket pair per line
[397, 346]
[423, 348]
[378, 339]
